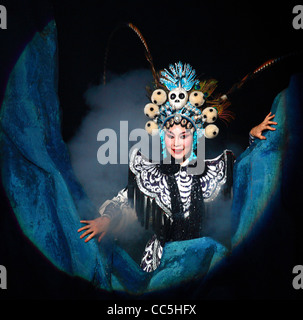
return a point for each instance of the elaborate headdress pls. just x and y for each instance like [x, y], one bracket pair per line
[180, 98]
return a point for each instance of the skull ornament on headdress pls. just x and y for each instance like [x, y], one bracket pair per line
[178, 98]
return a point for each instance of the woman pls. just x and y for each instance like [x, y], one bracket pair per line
[166, 196]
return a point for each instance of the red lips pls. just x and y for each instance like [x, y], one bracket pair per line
[177, 150]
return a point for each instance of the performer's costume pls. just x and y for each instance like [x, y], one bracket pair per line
[166, 198]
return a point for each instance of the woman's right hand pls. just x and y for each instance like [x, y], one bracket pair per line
[94, 227]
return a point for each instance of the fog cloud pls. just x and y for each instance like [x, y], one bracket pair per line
[122, 99]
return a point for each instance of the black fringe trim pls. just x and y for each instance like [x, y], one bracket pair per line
[151, 216]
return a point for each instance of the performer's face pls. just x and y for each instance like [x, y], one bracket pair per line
[178, 141]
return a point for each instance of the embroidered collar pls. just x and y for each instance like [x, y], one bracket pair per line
[151, 178]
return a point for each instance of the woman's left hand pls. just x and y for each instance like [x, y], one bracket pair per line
[265, 125]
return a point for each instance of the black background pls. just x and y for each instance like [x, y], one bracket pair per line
[222, 39]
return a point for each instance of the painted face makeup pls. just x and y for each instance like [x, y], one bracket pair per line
[179, 141]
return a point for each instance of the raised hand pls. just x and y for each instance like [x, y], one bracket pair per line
[264, 125]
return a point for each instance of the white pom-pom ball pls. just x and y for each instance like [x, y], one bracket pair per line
[151, 127]
[209, 115]
[211, 131]
[151, 110]
[196, 98]
[159, 97]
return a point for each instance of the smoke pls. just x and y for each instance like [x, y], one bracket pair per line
[121, 99]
